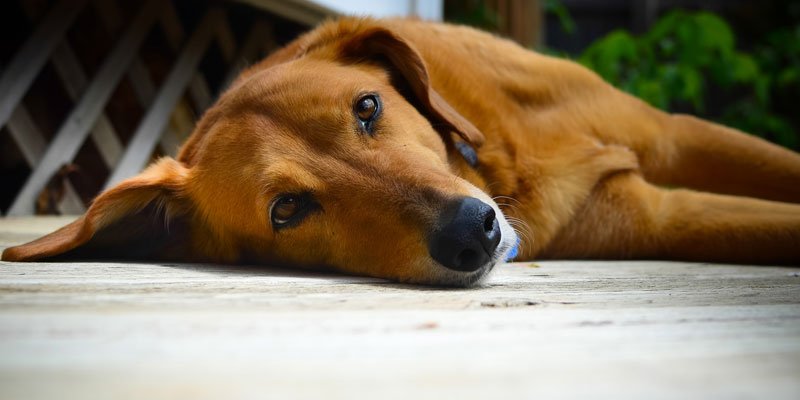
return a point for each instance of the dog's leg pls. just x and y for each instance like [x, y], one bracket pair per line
[714, 158]
[627, 217]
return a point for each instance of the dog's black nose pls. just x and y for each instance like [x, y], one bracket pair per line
[466, 236]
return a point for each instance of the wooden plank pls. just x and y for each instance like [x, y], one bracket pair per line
[173, 29]
[71, 203]
[75, 82]
[73, 131]
[147, 134]
[26, 134]
[570, 330]
[180, 126]
[145, 93]
[201, 96]
[111, 17]
[142, 83]
[200, 93]
[143, 86]
[29, 60]
[32, 145]
[198, 88]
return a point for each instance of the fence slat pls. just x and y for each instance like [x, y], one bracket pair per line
[75, 81]
[147, 134]
[26, 134]
[198, 88]
[33, 145]
[73, 131]
[71, 204]
[30, 59]
[142, 83]
[200, 93]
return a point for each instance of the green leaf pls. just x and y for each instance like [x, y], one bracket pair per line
[743, 68]
[670, 65]
[692, 87]
[761, 87]
[652, 92]
[664, 28]
[561, 12]
[714, 33]
[607, 55]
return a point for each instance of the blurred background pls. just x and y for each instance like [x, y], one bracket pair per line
[93, 90]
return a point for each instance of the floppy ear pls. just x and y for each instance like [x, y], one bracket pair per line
[382, 43]
[141, 218]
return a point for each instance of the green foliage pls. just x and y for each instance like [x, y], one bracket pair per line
[473, 13]
[558, 9]
[686, 54]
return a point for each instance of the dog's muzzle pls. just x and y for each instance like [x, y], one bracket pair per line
[466, 236]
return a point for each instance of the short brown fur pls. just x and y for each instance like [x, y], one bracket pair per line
[576, 164]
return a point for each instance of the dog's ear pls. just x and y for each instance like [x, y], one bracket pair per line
[380, 43]
[141, 218]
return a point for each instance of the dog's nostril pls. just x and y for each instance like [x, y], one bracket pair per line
[488, 223]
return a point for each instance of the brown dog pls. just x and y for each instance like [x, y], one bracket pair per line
[352, 149]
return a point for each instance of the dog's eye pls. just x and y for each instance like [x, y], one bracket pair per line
[289, 209]
[367, 109]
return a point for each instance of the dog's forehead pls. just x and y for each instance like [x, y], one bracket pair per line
[300, 113]
[305, 98]
[307, 81]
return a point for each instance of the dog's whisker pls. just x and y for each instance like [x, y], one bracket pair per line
[490, 185]
[523, 229]
[495, 198]
[521, 226]
[515, 219]
[523, 238]
[510, 206]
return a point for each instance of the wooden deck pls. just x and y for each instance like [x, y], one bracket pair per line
[552, 329]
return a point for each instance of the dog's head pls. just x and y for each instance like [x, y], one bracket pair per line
[334, 153]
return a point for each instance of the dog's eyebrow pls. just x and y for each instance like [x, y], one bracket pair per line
[291, 176]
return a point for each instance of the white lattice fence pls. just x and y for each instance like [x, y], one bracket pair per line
[168, 105]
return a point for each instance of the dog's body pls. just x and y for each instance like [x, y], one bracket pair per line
[342, 151]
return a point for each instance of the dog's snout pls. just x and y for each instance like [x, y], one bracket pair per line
[466, 236]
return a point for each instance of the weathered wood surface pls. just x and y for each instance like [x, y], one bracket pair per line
[560, 329]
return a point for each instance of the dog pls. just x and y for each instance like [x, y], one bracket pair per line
[427, 153]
